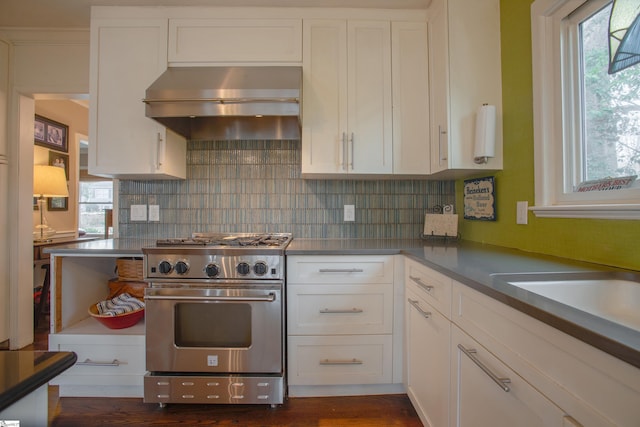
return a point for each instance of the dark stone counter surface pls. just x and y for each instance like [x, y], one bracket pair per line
[470, 263]
[25, 371]
[475, 264]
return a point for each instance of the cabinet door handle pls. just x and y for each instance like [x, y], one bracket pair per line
[344, 151]
[89, 362]
[341, 311]
[420, 283]
[352, 150]
[416, 304]
[471, 353]
[353, 361]
[442, 153]
[160, 150]
[341, 270]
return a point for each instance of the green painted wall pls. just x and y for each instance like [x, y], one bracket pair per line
[609, 242]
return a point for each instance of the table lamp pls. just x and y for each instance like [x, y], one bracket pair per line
[48, 181]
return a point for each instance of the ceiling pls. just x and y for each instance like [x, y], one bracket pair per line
[76, 13]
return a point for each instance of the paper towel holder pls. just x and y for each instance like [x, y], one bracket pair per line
[485, 134]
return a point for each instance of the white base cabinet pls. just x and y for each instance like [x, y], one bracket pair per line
[340, 326]
[590, 387]
[111, 362]
[492, 365]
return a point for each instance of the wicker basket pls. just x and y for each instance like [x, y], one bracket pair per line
[130, 269]
[133, 288]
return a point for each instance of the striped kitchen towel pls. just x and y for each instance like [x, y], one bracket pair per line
[123, 303]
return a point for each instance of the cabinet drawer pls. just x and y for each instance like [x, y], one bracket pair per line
[231, 40]
[344, 310]
[340, 269]
[489, 393]
[340, 360]
[101, 363]
[434, 287]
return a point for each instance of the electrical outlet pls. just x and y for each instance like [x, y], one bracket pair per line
[138, 212]
[522, 211]
[349, 212]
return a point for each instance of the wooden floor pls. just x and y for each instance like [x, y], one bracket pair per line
[359, 411]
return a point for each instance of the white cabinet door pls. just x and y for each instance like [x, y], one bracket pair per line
[126, 57]
[369, 133]
[347, 97]
[465, 72]
[235, 40]
[410, 71]
[489, 393]
[428, 359]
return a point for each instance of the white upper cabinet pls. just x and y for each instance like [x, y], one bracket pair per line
[347, 113]
[465, 73]
[410, 71]
[235, 40]
[127, 55]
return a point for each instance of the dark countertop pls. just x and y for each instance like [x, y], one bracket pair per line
[473, 264]
[25, 371]
[470, 263]
[108, 247]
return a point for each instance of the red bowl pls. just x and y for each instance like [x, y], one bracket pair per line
[117, 322]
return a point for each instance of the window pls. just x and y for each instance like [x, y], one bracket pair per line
[586, 122]
[95, 197]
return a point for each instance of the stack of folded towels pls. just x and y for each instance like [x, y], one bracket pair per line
[122, 304]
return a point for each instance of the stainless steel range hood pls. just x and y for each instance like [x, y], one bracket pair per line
[228, 102]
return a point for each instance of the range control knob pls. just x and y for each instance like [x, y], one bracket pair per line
[212, 270]
[181, 267]
[165, 267]
[243, 268]
[260, 268]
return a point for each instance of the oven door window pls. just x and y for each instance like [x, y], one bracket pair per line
[223, 325]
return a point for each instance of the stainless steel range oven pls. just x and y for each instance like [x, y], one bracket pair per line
[215, 319]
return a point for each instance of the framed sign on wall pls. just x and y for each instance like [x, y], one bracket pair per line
[480, 199]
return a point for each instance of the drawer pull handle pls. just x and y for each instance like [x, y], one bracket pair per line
[89, 362]
[471, 353]
[341, 362]
[420, 283]
[416, 304]
[341, 270]
[341, 311]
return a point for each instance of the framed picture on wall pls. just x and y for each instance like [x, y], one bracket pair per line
[62, 161]
[51, 134]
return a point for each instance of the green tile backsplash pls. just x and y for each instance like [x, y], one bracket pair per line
[255, 186]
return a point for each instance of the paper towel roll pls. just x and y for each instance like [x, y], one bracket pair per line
[485, 143]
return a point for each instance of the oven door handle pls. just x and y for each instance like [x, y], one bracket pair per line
[267, 298]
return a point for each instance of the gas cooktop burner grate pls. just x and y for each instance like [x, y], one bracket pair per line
[234, 240]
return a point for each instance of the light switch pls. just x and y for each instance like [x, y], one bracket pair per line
[138, 212]
[522, 212]
[349, 212]
[154, 212]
